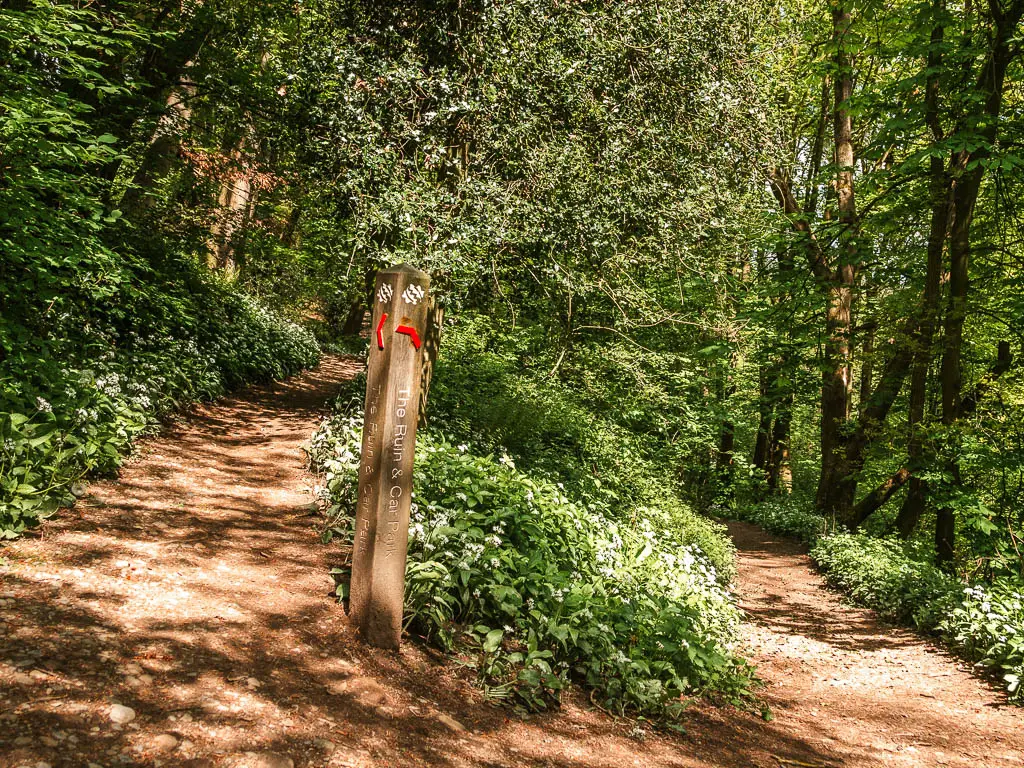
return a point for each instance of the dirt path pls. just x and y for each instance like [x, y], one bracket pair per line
[194, 593]
[849, 690]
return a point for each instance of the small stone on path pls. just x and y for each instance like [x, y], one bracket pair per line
[325, 745]
[121, 714]
[364, 690]
[450, 722]
[165, 742]
[262, 760]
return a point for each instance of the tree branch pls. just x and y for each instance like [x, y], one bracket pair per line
[877, 498]
[969, 404]
[798, 221]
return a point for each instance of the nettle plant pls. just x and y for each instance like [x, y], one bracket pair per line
[534, 589]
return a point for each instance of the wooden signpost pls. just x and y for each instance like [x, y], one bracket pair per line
[394, 370]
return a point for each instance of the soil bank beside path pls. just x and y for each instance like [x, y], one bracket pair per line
[182, 616]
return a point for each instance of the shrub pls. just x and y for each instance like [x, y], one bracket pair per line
[988, 626]
[548, 535]
[784, 517]
[541, 587]
[600, 429]
[877, 573]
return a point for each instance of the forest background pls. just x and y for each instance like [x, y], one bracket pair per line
[698, 259]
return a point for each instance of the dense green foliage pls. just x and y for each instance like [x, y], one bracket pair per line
[105, 325]
[787, 518]
[67, 412]
[988, 626]
[530, 149]
[878, 573]
[602, 427]
[877, 384]
[547, 572]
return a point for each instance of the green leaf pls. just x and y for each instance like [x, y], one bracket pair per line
[493, 640]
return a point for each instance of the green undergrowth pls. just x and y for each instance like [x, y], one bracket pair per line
[72, 402]
[605, 426]
[542, 550]
[880, 574]
[983, 622]
[786, 518]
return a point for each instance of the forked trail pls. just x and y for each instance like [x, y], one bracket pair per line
[194, 591]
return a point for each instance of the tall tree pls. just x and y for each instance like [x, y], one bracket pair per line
[968, 170]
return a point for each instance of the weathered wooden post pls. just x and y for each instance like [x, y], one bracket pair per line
[393, 381]
[431, 344]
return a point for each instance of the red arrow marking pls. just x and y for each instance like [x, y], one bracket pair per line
[409, 331]
[380, 330]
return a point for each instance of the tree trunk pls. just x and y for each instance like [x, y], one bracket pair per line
[726, 444]
[817, 150]
[727, 432]
[234, 204]
[913, 507]
[867, 367]
[354, 319]
[969, 402]
[917, 494]
[162, 69]
[877, 498]
[780, 473]
[835, 486]
[968, 174]
[764, 424]
[161, 153]
[872, 414]
[289, 235]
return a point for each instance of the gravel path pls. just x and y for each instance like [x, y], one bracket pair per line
[182, 616]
